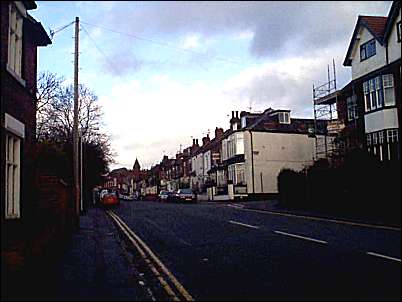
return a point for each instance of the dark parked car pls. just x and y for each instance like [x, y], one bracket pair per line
[164, 196]
[185, 195]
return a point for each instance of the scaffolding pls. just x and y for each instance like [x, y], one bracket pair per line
[326, 123]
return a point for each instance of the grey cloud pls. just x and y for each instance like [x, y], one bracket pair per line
[120, 64]
[314, 25]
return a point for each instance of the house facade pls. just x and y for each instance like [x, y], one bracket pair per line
[21, 35]
[372, 100]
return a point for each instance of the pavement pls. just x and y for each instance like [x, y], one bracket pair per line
[94, 266]
[274, 206]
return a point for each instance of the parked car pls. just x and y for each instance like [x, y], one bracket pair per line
[164, 196]
[185, 195]
[110, 199]
[102, 193]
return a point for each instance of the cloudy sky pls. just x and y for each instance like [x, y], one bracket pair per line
[167, 72]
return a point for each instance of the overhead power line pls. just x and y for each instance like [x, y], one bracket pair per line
[168, 45]
[164, 44]
[99, 49]
[53, 32]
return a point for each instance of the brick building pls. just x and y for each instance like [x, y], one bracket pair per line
[21, 35]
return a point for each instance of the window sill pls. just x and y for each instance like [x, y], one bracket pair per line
[16, 76]
[379, 109]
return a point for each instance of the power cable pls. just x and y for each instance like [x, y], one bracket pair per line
[167, 45]
[99, 49]
[53, 32]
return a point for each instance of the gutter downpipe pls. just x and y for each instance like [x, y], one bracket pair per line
[252, 159]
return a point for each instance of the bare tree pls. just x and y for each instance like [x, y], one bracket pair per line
[55, 114]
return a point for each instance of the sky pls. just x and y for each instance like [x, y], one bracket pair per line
[168, 72]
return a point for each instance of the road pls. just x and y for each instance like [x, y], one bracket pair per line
[222, 252]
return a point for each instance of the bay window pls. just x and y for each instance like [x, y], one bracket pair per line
[379, 92]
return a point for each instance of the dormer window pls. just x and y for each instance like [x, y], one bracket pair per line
[284, 117]
[367, 50]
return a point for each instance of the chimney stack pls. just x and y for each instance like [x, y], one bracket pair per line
[205, 140]
[218, 132]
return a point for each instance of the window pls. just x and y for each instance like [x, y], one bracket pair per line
[392, 135]
[366, 96]
[379, 92]
[12, 189]
[352, 107]
[375, 138]
[15, 39]
[368, 140]
[388, 83]
[367, 50]
[284, 118]
[398, 31]
[381, 137]
[240, 179]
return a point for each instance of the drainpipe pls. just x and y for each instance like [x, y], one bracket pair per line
[252, 159]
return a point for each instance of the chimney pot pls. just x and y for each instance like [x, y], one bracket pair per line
[232, 114]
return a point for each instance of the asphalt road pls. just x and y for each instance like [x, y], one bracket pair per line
[220, 252]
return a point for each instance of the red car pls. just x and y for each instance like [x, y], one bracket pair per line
[110, 199]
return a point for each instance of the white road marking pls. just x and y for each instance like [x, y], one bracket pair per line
[243, 224]
[383, 256]
[237, 206]
[301, 237]
[324, 219]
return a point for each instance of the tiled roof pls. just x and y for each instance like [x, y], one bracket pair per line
[376, 25]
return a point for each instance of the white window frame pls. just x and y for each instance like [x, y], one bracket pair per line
[15, 36]
[389, 94]
[392, 135]
[375, 138]
[368, 136]
[379, 92]
[381, 137]
[284, 117]
[12, 176]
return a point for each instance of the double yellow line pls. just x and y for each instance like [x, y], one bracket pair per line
[153, 262]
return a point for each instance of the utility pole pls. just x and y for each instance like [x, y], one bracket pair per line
[75, 126]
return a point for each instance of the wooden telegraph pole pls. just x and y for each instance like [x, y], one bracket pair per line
[75, 126]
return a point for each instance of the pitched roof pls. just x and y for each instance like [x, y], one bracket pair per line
[374, 24]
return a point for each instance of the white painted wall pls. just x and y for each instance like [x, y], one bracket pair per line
[273, 152]
[378, 60]
[380, 120]
[394, 47]
[207, 161]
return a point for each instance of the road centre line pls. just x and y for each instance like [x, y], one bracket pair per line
[324, 219]
[301, 237]
[243, 224]
[383, 256]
